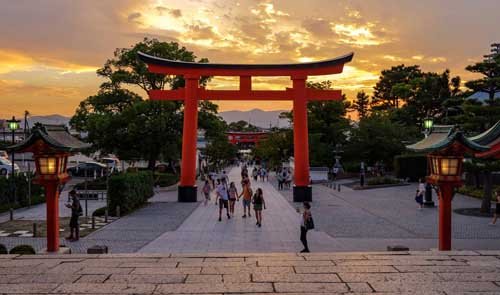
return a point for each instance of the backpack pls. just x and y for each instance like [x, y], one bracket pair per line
[80, 210]
[309, 223]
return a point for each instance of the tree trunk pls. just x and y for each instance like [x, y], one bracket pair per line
[487, 187]
[152, 162]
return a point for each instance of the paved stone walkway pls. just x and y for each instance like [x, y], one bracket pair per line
[129, 233]
[370, 220]
[467, 272]
[201, 232]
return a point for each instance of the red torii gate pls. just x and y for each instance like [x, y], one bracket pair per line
[192, 92]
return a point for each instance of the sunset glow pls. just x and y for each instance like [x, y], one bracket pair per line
[49, 51]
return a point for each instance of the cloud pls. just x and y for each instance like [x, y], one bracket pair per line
[358, 35]
[319, 27]
[177, 13]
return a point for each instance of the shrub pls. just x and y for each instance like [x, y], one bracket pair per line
[129, 191]
[3, 249]
[165, 179]
[412, 166]
[21, 192]
[99, 212]
[23, 250]
[382, 180]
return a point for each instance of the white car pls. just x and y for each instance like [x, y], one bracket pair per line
[6, 167]
[3, 154]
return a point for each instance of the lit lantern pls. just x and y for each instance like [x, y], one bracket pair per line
[428, 123]
[445, 147]
[51, 145]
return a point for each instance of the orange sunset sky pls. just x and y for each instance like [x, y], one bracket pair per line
[50, 49]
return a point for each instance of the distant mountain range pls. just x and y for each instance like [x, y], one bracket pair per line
[257, 117]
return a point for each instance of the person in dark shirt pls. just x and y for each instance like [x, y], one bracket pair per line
[76, 210]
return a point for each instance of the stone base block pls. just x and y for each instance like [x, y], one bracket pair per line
[187, 194]
[98, 249]
[302, 193]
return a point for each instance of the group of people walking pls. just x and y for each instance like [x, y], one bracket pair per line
[226, 196]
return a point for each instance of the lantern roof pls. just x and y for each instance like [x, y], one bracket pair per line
[55, 137]
[443, 136]
[489, 137]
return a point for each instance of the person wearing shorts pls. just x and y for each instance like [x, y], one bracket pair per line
[246, 193]
[258, 205]
[222, 197]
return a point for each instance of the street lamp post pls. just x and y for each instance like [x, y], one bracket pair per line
[428, 124]
[13, 125]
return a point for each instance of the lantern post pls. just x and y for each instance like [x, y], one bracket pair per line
[446, 147]
[51, 145]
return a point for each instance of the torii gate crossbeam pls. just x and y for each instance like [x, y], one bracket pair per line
[192, 92]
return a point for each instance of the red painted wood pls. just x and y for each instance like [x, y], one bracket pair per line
[190, 133]
[206, 94]
[52, 204]
[300, 133]
[445, 197]
[159, 69]
[245, 83]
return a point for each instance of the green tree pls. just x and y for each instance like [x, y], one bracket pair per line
[385, 96]
[377, 138]
[490, 69]
[242, 125]
[278, 147]
[119, 121]
[219, 152]
[361, 104]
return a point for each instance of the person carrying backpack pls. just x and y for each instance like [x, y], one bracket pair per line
[306, 224]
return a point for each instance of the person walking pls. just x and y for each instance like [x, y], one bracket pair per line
[258, 204]
[497, 209]
[246, 192]
[306, 225]
[419, 198]
[255, 173]
[206, 191]
[76, 211]
[222, 198]
[233, 195]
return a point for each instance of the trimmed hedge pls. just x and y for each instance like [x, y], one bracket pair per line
[412, 166]
[382, 180]
[23, 250]
[165, 179]
[37, 195]
[129, 191]
[3, 249]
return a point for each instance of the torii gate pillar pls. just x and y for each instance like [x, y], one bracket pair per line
[302, 189]
[187, 187]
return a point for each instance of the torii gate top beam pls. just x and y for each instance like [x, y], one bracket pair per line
[171, 67]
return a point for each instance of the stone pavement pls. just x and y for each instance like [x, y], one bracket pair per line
[426, 272]
[201, 232]
[370, 220]
[129, 233]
